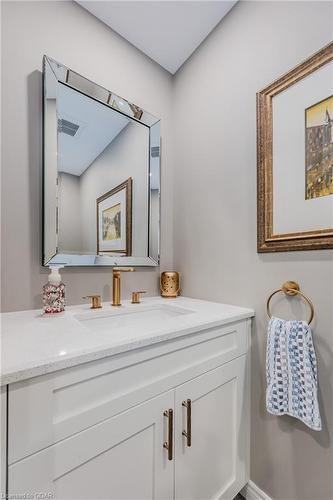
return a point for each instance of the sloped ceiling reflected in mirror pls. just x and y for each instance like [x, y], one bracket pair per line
[85, 129]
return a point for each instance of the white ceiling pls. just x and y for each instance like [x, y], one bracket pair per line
[98, 127]
[166, 31]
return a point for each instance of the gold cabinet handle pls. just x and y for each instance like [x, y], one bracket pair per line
[188, 432]
[168, 445]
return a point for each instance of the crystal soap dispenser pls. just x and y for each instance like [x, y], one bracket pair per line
[54, 292]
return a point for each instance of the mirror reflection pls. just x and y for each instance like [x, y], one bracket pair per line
[101, 177]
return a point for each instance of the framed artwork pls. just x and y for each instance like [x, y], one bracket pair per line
[319, 149]
[114, 220]
[295, 158]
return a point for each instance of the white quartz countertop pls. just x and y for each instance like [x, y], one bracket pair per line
[33, 344]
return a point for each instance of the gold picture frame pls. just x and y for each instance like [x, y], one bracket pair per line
[114, 220]
[267, 241]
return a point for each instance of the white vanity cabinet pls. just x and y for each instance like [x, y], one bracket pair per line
[215, 462]
[120, 457]
[104, 429]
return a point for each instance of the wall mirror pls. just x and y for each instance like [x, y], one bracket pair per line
[101, 175]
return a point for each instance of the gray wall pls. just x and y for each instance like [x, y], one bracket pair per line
[69, 34]
[215, 227]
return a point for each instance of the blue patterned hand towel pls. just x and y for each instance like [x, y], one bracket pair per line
[291, 371]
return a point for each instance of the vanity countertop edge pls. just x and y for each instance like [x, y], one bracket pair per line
[33, 344]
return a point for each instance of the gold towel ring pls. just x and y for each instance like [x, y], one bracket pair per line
[291, 288]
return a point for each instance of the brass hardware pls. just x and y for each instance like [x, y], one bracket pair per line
[95, 301]
[136, 297]
[168, 445]
[188, 432]
[169, 284]
[116, 282]
[291, 288]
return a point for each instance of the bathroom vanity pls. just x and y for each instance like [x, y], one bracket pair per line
[146, 401]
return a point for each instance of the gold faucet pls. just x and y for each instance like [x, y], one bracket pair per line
[116, 290]
[95, 301]
[136, 297]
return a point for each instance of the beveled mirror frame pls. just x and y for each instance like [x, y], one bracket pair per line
[51, 253]
[266, 240]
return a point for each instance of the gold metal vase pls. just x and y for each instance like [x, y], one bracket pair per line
[170, 284]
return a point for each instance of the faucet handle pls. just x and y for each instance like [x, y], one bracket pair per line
[95, 301]
[136, 297]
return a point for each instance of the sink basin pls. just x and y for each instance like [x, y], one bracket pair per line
[127, 316]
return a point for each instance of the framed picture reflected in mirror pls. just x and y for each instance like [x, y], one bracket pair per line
[114, 220]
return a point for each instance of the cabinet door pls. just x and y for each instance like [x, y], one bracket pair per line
[215, 465]
[120, 458]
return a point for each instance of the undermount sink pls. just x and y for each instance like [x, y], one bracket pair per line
[127, 316]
